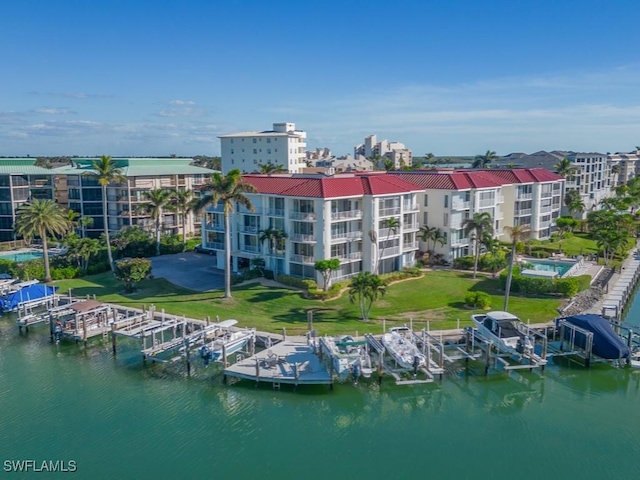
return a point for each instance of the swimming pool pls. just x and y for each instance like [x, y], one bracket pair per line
[559, 267]
[20, 256]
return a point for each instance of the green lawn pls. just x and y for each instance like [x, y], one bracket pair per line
[436, 298]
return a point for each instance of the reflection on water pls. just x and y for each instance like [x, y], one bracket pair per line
[120, 418]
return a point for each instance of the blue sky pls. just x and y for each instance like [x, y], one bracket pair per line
[451, 77]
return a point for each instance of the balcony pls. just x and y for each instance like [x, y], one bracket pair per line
[546, 209]
[390, 252]
[410, 207]
[275, 212]
[545, 224]
[349, 257]
[250, 248]
[346, 214]
[487, 202]
[303, 259]
[303, 238]
[523, 212]
[346, 236]
[411, 226]
[459, 241]
[218, 227]
[524, 196]
[250, 229]
[306, 216]
[387, 212]
[215, 245]
[387, 233]
[410, 246]
[460, 205]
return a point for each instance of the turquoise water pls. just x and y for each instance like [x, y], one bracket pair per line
[560, 267]
[120, 418]
[20, 257]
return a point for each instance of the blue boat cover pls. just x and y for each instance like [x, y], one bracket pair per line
[30, 292]
[606, 342]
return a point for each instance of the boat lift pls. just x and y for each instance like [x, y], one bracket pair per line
[385, 363]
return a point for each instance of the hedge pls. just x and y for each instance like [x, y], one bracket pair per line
[567, 287]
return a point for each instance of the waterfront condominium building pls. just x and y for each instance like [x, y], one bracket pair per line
[592, 178]
[511, 197]
[368, 221]
[283, 146]
[624, 166]
[20, 181]
[78, 189]
[394, 151]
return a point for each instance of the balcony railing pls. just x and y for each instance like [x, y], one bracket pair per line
[387, 232]
[461, 205]
[545, 209]
[307, 216]
[348, 214]
[545, 224]
[302, 237]
[275, 212]
[386, 212]
[303, 259]
[349, 257]
[410, 246]
[487, 202]
[346, 235]
[249, 229]
[407, 207]
[524, 196]
[215, 245]
[218, 227]
[250, 248]
[390, 252]
[411, 226]
[459, 241]
[523, 212]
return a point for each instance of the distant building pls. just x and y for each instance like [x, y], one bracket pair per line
[592, 177]
[394, 151]
[346, 164]
[284, 146]
[20, 182]
[79, 190]
[624, 166]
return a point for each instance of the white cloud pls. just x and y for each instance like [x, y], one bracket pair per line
[54, 111]
[182, 102]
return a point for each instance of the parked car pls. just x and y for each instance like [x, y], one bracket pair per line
[200, 249]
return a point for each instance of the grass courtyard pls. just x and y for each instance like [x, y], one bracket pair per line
[436, 298]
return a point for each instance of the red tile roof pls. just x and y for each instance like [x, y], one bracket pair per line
[320, 186]
[468, 179]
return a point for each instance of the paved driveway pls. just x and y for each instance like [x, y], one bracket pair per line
[195, 271]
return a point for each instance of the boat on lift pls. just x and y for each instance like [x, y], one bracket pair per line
[228, 343]
[505, 330]
[406, 353]
[349, 357]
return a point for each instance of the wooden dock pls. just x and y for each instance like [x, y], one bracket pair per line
[286, 362]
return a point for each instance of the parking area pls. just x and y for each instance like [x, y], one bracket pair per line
[195, 271]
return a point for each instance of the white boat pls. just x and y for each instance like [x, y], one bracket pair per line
[402, 349]
[349, 356]
[229, 343]
[504, 329]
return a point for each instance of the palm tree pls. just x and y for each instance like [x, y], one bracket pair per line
[86, 248]
[275, 237]
[573, 202]
[365, 289]
[565, 168]
[479, 224]
[41, 218]
[182, 203]
[483, 161]
[270, 168]
[156, 201]
[392, 224]
[227, 190]
[427, 234]
[107, 172]
[517, 233]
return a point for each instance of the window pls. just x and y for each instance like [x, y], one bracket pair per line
[268, 151]
[232, 151]
[426, 200]
[232, 161]
[254, 140]
[446, 219]
[425, 218]
[255, 150]
[269, 140]
[232, 140]
[446, 201]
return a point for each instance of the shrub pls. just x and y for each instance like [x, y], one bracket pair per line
[268, 274]
[132, 271]
[64, 273]
[98, 267]
[31, 270]
[292, 281]
[477, 300]
[170, 244]
[332, 292]
[464, 263]
[567, 287]
[236, 278]
[8, 266]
